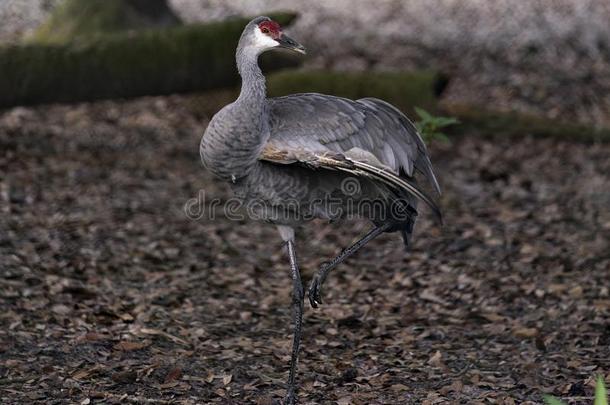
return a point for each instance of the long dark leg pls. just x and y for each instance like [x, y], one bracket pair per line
[297, 307]
[315, 287]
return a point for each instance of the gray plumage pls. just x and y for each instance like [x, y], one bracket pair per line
[289, 158]
[319, 122]
[304, 126]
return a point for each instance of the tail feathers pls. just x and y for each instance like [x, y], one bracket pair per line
[406, 224]
[397, 182]
[406, 237]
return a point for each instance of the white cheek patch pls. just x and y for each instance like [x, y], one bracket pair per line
[263, 41]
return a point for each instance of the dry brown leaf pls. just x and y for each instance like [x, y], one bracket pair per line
[91, 337]
[436, 360]
[226, 380]
[525, 332]
[557, 289]
[173, 375]
[83, 374]
[125, 377]
[126, 317]
[168, 385]
[210, 378]
[399, 387]
[12, 363]
[455, 386]
[266, 400]
[428, 295]
[344, 400]
[576, 292]
[127, 346]
[148, 331]
[492, 317]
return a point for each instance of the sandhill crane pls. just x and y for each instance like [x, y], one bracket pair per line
[307, 156]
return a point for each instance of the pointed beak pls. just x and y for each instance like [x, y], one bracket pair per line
[289, 43]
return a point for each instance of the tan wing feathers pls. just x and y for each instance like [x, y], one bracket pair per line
[337, 161]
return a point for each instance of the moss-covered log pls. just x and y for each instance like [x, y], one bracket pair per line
[487, 122]
[403, 89]
[150, 62]
[77, 19]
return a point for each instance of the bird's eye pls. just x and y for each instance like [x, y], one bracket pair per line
[265, 30]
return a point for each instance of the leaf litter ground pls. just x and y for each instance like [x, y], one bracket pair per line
[110, 294]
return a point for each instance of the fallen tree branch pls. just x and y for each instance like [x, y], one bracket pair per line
[403, 89]
[511, 123]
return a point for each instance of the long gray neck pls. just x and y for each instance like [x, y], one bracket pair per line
[236, 136]
[253, 92]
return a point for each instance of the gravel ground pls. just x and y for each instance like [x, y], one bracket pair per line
[110, 294]
[550, 57]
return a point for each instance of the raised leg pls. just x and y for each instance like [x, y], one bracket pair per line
[315, 287]
[297, 308]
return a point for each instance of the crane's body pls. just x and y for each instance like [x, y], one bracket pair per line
[295, 158]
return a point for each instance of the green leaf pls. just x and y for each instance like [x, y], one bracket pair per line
[549, 400]
[423, 114]
[428, 126]
[601, 398]
[446, 121]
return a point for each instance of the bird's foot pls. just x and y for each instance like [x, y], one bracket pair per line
[291, 398]
[315, 291]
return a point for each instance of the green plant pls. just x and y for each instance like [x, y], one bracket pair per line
[429, 126]
[601, 398]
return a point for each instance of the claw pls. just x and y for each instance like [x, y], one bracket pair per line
[313, 293]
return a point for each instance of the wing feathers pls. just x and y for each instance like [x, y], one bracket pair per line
[399, 183]
[315, 121]
[422, 162]
[336, 161]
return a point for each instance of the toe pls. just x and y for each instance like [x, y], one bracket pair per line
[312, 300]
[314, 293]
[290, 398]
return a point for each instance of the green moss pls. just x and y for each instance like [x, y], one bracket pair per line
[75, 19]
[510, 123]
[149, 62]
[404, 90]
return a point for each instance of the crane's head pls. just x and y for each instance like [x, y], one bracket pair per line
[264, 34]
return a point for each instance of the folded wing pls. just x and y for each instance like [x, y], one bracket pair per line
[336, 161]
[369, 128]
